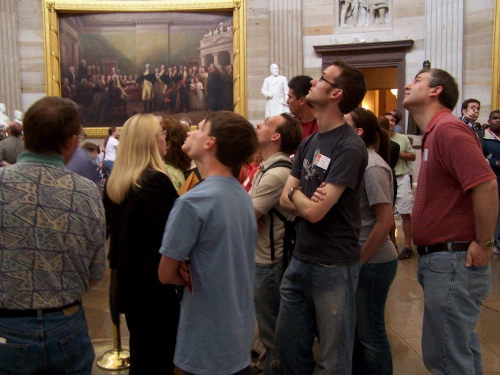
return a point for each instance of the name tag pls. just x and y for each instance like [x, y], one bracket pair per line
[322, 161]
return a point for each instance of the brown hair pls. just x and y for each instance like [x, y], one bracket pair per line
[291, 133]
[176, 135]
[49, 123]
[236, 139]
[384, 123]
[449, 94]
[373, 134]
[111, 130]
[90, 147]
[352, 83]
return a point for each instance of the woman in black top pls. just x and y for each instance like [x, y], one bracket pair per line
[138, 198]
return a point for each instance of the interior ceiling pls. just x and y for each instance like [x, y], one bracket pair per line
[131, 19]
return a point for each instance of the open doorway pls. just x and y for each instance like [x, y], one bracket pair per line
[382, 94]
[384, 66]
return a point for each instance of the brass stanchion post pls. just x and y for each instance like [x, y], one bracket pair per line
[116, 358]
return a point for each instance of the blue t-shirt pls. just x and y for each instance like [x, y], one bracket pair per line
[214, 224]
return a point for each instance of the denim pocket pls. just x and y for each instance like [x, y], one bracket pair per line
[78, 351]
[479, 281]
[442, 262]
[12, 358]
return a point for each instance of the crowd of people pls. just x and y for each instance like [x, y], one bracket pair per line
[173, 89]
[301, 245]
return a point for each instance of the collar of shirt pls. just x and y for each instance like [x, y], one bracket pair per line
[31, 157]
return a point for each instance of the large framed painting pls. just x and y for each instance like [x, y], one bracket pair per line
[178, 58]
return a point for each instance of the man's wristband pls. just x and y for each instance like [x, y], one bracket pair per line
[292, 191]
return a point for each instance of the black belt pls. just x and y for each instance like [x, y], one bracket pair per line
[8, 313]
[441, 247]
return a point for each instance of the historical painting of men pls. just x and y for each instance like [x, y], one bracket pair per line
[165, 74]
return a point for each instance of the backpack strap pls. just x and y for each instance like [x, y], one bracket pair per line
[290, 235]
[279, 163]
[273, 211]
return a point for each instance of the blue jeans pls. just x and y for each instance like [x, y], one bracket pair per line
[320, 300]
[372, 351]
[267, 304]
[452, 298]
[51, 343]
[108, 166]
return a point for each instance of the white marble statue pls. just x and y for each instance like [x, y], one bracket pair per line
[275, 90]
[4, 120]
[357, 10]
[380, 6]
[18, 116]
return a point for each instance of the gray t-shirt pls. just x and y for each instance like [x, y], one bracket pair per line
[214, 224]
[339, 157]
[378, 188]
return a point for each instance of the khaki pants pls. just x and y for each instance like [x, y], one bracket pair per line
[147, 90]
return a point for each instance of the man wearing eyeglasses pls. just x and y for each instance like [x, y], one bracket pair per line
[52, 248]
[323, 191]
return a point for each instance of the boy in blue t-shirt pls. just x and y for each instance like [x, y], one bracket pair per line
[214, 226]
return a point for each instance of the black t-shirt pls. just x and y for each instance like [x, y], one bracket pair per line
[334, 239]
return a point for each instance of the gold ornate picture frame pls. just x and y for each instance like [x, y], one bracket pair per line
[54, 10]
[495, 79]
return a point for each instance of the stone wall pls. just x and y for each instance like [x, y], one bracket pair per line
[315, 22]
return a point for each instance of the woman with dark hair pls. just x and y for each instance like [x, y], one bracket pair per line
[372, 351]
[176, 160]
[110, 148]
[138, 198]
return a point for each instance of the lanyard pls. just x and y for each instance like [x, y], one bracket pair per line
[494, 135]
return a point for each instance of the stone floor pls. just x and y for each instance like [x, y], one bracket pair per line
[404, 320]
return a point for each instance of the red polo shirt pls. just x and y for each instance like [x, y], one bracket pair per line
[309, 128]
[452, 164]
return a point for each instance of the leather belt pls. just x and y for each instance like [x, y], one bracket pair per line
[9, 313]
[442, 247]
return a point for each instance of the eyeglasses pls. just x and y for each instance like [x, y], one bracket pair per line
[322, 78]
[81, 136]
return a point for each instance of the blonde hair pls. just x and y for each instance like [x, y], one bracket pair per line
[138, 151]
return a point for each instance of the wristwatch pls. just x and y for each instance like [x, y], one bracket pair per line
[292, 190]
[486, 244]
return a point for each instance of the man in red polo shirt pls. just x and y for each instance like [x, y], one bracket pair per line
[453, 223]
[298, 88]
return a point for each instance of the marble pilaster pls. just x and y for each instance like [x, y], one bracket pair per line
[10, 78]
[444, 39]
[285, 27]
